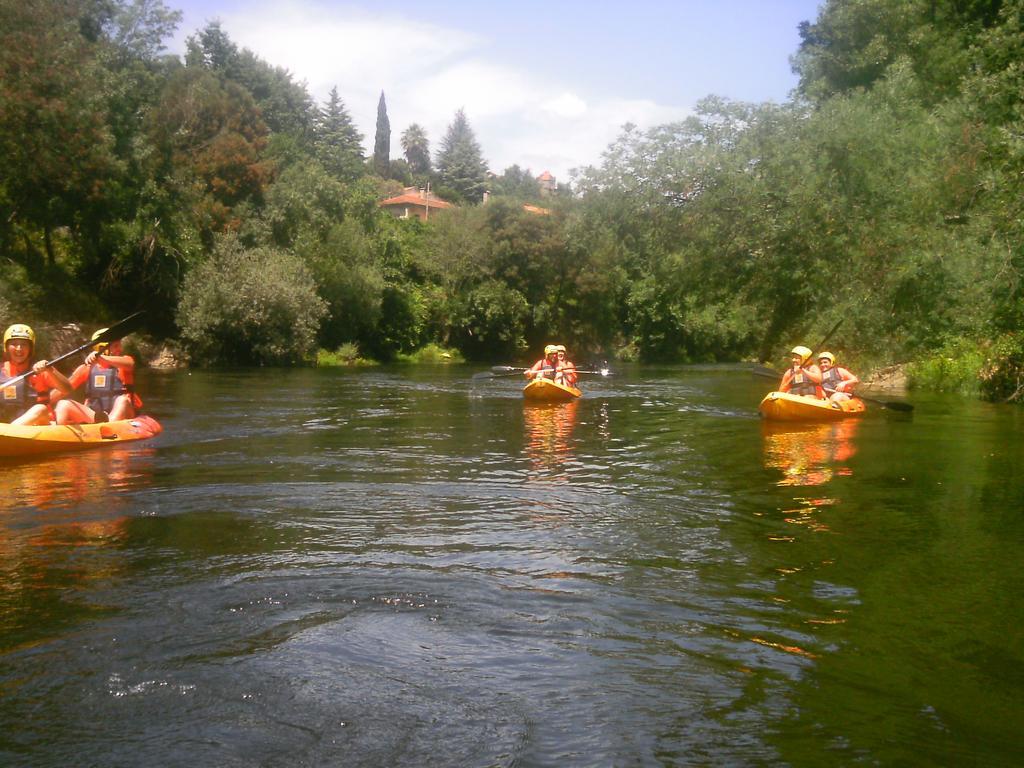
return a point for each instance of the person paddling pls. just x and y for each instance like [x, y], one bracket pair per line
[837, 382]
[27, 401]
[547, 366]
[109, 378]
[802, 378]
[565, 369]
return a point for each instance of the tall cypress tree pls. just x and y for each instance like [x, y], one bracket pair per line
[382, 140]
[460, 164]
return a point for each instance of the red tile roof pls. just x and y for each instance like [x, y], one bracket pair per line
[414, 199]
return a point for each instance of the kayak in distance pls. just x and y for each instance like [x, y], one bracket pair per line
[18, 441]
[548, 391]
[782, 406]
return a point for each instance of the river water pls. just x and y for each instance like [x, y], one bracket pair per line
[407, 567]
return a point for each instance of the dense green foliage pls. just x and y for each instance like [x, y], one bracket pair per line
[215, 192]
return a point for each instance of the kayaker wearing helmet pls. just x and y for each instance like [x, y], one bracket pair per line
[565, 369]
[109, 378]
[27, 401]
[837, 382]
[546, 367]
[801, 378]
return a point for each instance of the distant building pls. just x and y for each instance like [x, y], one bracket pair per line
[548, 185]
[414, 202]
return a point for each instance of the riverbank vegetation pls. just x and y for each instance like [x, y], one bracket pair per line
[214, 191]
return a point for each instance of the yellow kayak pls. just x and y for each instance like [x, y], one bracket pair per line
[16, 441]
[782, 406]
[548, 391]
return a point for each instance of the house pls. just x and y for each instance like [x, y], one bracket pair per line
[547, 182]
[414, 202]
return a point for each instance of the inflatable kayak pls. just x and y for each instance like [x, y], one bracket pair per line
[782, 406]
[548, 391]
[16, 441]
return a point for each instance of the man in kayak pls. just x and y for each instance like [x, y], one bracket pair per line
[565, 369]
[837, 382]
[27, 400]
[802, 377]
[547, 366]
[109, 378]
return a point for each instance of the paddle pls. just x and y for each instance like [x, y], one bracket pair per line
[892, 405]
[508, 370]
[489, 375]
[116, 331]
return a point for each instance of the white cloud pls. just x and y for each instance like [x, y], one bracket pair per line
[427, 72]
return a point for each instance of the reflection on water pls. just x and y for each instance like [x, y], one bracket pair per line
[61, 520]
[809, 454]
[549, 429]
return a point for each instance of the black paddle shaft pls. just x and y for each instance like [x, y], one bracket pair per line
[116, 331]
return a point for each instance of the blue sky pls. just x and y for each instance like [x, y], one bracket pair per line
[546, 85]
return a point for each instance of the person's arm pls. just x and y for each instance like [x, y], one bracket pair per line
[569, 371]
[532, 372]
[787, 378]
[118, 361]
[56, 378]
[813, 373]
[849, 381]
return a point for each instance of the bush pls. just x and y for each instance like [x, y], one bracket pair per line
[433, 354]
[243, 307]
[346, 354]
[1002, 375]
[953, 369]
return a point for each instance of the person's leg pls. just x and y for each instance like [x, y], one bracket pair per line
[123, 408]
[74, 412]
[38, 414]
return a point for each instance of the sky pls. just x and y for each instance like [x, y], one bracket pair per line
[544, 85]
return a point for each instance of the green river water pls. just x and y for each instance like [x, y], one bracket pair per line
[407, 567]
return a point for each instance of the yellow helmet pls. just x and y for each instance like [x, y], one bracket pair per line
[550, 349]
[827, 356]
[103, 345]
[19, 331]
[803, 351]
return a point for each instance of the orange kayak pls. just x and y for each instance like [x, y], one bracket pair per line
[16, 441]
[547, 391]
[782, 406]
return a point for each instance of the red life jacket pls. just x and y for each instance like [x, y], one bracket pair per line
[22, 395]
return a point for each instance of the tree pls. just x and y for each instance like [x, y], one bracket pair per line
[417, 149]
[460, 164]
[517, 182]
[285, 106]
[339, 146]
[382, 140]
[250, 306]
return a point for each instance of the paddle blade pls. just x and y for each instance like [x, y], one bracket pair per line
[505, 369]
[483, 375]
[768, 373]
[893, 405]
[121, 329]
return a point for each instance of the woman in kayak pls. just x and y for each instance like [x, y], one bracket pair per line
[109, 378]
[27, 400]
[837, 382]
[801, 378]
[547, 366]
[565, 369]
